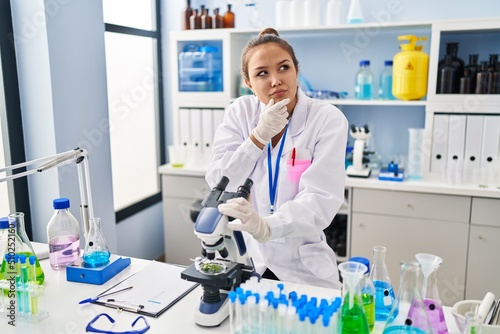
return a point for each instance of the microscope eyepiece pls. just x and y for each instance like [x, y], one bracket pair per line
[222, 184]
[244, 189]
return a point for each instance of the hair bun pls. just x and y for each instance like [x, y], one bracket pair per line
[269, 31]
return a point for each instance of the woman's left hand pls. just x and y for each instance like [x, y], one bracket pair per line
[246, 218]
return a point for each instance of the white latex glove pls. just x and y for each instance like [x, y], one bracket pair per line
[246, 219]
[272, 120]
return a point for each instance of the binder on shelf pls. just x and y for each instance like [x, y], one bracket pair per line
[439, 143]
[490, 150]
[207, 128]
[207, 134]
[456, 148]
[184, 127]
[473, 144]
[195, 118]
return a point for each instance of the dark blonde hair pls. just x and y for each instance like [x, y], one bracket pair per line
[268, 35]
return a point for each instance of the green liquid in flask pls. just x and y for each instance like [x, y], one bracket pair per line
[354, 319]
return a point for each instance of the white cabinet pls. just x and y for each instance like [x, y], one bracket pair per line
[483, 262]
[178, 194]
[408, 223]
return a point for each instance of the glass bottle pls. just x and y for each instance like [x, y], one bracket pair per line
[229, 18]
[409, 297]
[493, 75]
[368, 292]
[218, 20]
[195, 20]
[385, 85]
[466, 82]
[447, 77]
[383, 286]
[456, 62]
[22, 245]
[353, 317]
[96, 251]
[63, 235]
[433, 307]
[206, 20]
[364, 81]
[472, 68]
[482, 79]
[186, 15]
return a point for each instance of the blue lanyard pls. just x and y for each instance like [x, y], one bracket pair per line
[273, 184]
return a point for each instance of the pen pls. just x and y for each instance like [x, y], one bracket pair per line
[89, 300]
[293, 156]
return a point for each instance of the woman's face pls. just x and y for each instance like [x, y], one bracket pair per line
[272, 74]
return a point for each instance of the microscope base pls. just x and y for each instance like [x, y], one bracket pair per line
[212, 315]
[351, 171]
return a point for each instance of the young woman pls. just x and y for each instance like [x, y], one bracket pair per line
[293, 149]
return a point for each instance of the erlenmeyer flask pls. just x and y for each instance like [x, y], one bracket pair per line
[409, 298]
[353, 315]
[22, 246]
[380, 278]
[430, 264]
[96, 251]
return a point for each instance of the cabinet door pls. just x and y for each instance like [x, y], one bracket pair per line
[405, 237]
[483, 262]
[181, 244]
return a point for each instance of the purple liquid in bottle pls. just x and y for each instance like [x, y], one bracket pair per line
[63, 251]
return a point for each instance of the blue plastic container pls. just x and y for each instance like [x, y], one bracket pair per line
[201, 70]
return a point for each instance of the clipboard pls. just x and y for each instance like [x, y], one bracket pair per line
[156, 288]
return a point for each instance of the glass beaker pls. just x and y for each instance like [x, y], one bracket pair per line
[96, 251]
[380, 278]
[434, 309]
[353, 317]
[22, 245]
[408, 299]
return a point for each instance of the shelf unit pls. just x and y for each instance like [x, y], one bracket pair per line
[338, 50]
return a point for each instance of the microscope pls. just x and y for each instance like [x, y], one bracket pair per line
[359, 160]
[224, 264]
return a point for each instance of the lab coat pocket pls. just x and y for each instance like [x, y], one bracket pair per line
[296, 169]
[315, 258]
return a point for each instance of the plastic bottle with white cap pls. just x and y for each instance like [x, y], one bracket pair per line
[355, 13]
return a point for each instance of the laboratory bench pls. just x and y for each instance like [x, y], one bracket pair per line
[459, 223]
[66, 315]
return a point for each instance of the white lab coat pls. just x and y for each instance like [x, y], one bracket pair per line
[297, 251]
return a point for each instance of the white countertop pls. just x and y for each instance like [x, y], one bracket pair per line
[67, 316]
[424, 186]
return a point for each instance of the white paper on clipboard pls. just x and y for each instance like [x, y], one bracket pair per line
[156, 287]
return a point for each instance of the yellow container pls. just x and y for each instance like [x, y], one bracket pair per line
[410, 68]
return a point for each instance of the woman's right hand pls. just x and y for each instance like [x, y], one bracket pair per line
[272, 120]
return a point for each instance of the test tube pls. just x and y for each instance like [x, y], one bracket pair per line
[23, 273]
[232, 311]
[33, 286]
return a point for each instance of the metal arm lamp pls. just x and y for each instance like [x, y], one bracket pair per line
[77, 155]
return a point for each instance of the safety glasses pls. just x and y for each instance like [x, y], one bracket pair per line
[90, 327]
